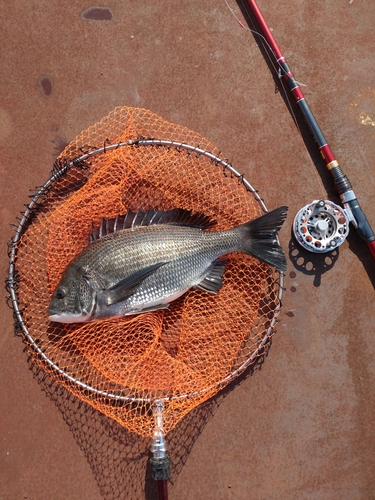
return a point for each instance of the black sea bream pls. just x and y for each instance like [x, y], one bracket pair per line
[140, 262]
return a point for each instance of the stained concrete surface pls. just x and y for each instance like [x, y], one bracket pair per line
[302, 427]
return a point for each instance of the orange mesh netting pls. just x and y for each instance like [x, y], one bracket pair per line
[181, 356]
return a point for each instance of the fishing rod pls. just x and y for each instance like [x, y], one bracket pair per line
[315, 223]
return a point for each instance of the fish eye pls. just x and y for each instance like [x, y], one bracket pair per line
[60, 293]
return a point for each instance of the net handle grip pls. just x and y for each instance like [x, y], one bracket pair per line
[162, 488]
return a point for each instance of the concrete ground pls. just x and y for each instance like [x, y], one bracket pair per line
[303, 426]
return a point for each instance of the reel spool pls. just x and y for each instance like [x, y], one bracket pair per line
[321, 226]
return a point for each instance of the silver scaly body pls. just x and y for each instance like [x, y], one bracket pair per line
[130, 268]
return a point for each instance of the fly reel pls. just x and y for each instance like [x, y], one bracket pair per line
[321, 226]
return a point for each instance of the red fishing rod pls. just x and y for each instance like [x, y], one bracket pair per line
[343, 186]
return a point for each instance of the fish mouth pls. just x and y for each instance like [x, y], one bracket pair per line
[65, 317]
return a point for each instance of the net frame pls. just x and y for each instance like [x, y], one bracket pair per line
[25, 220]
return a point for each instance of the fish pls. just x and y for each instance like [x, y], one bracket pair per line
[141, 261]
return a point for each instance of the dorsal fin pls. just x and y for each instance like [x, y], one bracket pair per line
[176, 217]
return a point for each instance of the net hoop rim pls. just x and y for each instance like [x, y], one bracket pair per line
[11, 280]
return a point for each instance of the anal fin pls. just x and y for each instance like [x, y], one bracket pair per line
[213, 279]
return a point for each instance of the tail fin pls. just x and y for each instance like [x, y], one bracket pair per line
[260, 238]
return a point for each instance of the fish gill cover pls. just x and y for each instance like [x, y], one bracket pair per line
[181, 356]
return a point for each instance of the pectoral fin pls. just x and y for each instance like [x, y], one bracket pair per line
[126, 287]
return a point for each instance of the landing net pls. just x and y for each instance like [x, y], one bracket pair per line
[179, 357]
